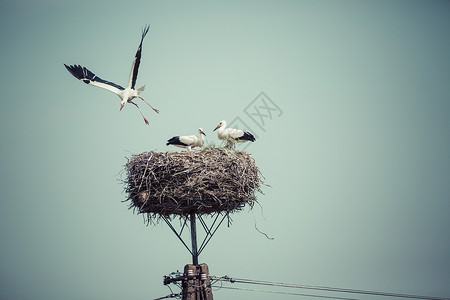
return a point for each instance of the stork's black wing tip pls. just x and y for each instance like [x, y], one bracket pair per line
[75, 70]
[81, 73]
[145, 30]
[68, 67]
[248, 137]
[175, 141]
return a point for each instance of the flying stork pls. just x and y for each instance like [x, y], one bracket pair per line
[231, 135]
[126, 94]
[188, 142]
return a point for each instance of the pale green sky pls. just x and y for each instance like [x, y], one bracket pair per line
[358, 162]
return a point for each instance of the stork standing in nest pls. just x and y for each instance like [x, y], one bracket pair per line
[231, 135]
[188, 142]
[126, 94]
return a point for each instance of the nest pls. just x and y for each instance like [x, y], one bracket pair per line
[202, 182]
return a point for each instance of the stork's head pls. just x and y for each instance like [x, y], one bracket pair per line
[222, 123]
[122, 104]
[200, 130]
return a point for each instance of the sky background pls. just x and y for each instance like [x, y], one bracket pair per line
[357, 157]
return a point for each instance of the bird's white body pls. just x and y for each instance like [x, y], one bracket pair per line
[192, 141]
[129, 94]
[231, 135]
[188, 141]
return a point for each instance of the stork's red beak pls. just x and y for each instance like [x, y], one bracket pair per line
[121, 106]
[203, 133]
[218, 126]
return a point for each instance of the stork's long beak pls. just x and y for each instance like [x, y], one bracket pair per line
[121, 106]
[218, 126]
[203, 132]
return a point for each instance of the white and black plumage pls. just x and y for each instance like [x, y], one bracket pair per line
[189, 141]
[126, 94]
[231, 135]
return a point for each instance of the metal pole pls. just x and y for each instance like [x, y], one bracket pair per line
[194, 240]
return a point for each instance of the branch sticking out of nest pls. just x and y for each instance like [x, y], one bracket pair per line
[202, 182]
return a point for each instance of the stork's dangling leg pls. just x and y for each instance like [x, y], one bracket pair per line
[156, 110]
[146, 121]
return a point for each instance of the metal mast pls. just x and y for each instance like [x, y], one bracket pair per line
[194, 240]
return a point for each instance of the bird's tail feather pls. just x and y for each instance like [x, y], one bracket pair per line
[142, 88]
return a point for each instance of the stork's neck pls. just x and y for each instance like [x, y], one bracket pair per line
[201, 139]
[221, 129]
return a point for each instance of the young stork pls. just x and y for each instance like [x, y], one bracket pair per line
[188, 142]
[126, 94]
[231, 135]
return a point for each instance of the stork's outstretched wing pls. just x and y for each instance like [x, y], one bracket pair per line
[137, 60]
[88, 77]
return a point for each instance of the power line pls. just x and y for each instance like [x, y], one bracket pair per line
[325, 288]
[287, 293]
[168, 296]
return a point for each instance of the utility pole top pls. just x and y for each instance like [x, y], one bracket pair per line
[196, 283]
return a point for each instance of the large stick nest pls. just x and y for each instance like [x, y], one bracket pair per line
[202, 182]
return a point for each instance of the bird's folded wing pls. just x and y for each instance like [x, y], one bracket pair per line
[188, 140]
[234, 133]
